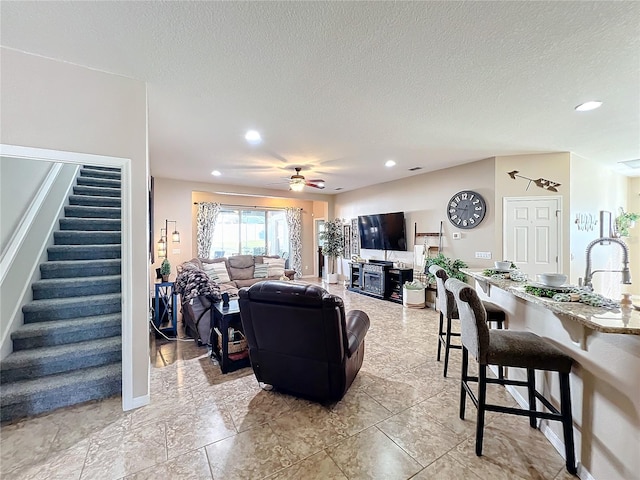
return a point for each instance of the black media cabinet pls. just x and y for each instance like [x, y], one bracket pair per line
[380, 279]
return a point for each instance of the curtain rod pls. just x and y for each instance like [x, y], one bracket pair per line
[260, 207]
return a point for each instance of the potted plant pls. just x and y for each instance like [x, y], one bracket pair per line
[451, 266]
[625, 221]
[333, 237]
[165, 270]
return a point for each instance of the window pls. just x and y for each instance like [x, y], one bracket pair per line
[250, 232]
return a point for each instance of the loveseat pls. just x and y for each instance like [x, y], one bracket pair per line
[213, 276]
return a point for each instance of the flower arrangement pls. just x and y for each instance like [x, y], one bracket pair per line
[625, 221]
[333, 238]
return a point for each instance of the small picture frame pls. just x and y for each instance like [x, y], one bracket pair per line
[346, 230]
[355, 238]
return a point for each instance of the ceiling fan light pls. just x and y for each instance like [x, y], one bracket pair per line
[296, 186]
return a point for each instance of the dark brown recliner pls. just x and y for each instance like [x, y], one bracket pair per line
[300, 340]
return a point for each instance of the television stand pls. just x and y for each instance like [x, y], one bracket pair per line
[378, 278]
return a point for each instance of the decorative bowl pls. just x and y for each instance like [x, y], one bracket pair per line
[503, 265]
[552, 279]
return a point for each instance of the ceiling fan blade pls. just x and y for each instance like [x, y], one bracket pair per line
[316, 180]
[309, 184]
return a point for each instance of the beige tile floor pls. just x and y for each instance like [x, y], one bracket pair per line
[398, 421]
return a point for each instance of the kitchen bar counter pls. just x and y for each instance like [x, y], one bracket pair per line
[605, 391]
[621, 320]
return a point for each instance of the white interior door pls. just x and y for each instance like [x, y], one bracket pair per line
[532, 231]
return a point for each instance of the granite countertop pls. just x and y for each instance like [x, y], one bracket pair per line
[625, 320]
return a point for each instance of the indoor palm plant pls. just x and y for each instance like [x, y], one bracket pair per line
[333, 238]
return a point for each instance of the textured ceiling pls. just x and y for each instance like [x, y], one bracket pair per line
[339, 88]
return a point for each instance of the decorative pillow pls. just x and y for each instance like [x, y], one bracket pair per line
[261, 270]
[276, 266]
[217, 272]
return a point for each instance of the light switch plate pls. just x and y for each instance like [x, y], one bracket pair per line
[486, 255]
[457, 235]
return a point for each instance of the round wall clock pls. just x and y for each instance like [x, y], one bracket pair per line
[466, 209]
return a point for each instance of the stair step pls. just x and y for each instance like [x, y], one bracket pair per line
[102, 168]
[32, 397]
[96, 191]
[92, 224]
[83, 211]
[95, 173]
[62, 332]
[83, 252]
[75, 287]
[80, 268]
[44, 361]
[77, 237]
[98, 182]
[94, 201]
[48, 310]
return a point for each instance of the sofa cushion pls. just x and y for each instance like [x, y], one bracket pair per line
[276, 266]
[241, 267]
[261, 270]
[217, 272]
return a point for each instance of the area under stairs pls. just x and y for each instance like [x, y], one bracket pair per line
[69, 348]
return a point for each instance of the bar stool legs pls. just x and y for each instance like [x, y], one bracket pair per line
[444, 340]
[567, 423]
[480, 401]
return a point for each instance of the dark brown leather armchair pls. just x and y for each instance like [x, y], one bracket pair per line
[300, 340]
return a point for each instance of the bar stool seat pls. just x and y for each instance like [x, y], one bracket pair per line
[508, 348]
[448, 309]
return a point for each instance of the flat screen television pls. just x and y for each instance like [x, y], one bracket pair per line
[384, 231]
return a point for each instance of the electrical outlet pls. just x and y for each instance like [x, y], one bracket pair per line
[486, 255]
[176, 251]
[306, 267]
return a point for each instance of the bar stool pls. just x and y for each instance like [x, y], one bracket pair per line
[509, 348]
[446, 305]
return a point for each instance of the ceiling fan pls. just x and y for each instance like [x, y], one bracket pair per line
[297, 182]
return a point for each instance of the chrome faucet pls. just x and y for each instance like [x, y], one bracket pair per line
[626, 274]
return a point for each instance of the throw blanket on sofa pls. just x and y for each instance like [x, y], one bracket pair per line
[192, 283]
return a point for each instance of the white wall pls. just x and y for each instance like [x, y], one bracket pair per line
[59, 106]
[595, 188]
[424, 198]
[20, 180]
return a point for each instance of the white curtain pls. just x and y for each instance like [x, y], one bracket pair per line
[294, 222]
[207, 216]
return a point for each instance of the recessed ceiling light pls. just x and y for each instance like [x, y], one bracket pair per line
[216, 173]
[253, 137]
[389, 163]
[586, 106]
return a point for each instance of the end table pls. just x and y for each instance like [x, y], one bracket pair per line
[167, 299]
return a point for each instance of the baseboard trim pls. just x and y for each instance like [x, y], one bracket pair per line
[135, 402]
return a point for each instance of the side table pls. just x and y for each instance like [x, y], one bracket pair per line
[166, 299]
[224, 317]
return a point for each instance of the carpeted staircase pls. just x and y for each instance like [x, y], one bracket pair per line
[69, 349]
